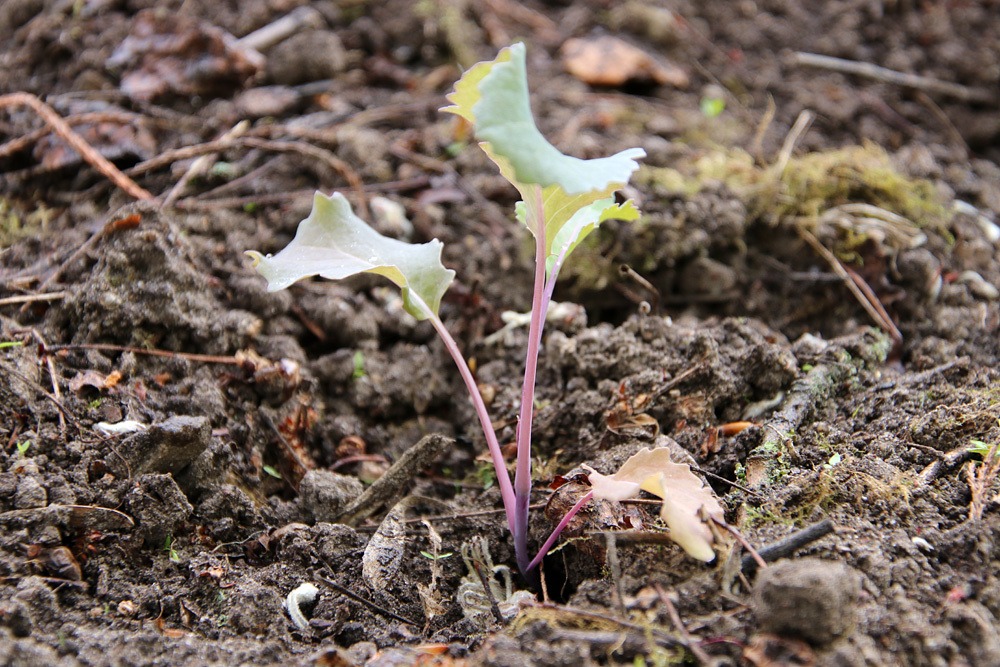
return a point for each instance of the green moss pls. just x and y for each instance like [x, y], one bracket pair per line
[16, 224]
[809, 184]
[762, 516]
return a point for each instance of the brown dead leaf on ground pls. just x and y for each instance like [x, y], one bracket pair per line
[688, 504]
[171, 55]
[610, 61]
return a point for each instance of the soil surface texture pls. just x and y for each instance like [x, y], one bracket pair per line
[807, 313]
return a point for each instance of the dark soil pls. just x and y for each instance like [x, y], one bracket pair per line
[263, 416]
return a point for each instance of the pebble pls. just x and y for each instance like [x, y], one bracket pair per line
[810, 598]
[325, 494]
[169, 446]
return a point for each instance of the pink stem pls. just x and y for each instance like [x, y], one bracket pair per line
[522, 473]
[549, 543]
[503, 478]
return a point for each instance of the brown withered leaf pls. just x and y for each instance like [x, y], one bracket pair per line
[766, 650]
[95, 380]
[115, 140]
[610, 61]
[168, 54]
[688, 504]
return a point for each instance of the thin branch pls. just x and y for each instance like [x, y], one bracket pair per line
[55, 401]
[980, 478]
[354, 596]
[675, 618]
[865, 297]
[485, 582]
[202, 164]
[189, 356]
[788, 545]
[206, 202]
[23, 142]
[50, 364]
[752, 553]
[32, 298]
[802, 124]
[300, 147]
[872, 71]
[465, 515]
[78, 143]
[603, 617]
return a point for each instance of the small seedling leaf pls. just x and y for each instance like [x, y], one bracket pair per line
[981, 448]
[493, 97]
[334, 243]
[583, 222]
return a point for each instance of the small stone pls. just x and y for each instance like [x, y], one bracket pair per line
[169, 446]
[312, 55]
[158, 506]
[708, 277]
[30, 494]
[325, 494]
[809, 598]
[14, 614]
[268, 101]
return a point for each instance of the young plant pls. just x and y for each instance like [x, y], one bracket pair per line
[563, 199]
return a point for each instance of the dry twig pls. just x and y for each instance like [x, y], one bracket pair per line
[302, 148]
[787, 546]
[56, 391]
[32, 298]
[691, 643]
[980, 479]
[86, 151]
[802, 124]
[189, 356]
[201, 164]
[872, 71]
[854, 283]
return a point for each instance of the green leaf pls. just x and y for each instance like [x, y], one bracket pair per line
[583, 222]
[493, 97]
[334, 243]
[982, 448]
[359, 365]
[712, 107]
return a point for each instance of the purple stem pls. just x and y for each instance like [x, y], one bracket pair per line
[522, 473]
[549, 543]
[503, 477]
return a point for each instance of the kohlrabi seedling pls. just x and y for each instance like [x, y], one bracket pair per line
[563, 199]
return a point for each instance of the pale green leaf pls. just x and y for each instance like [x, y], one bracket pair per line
[334, 243]
[493, 96]
[583, 222]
